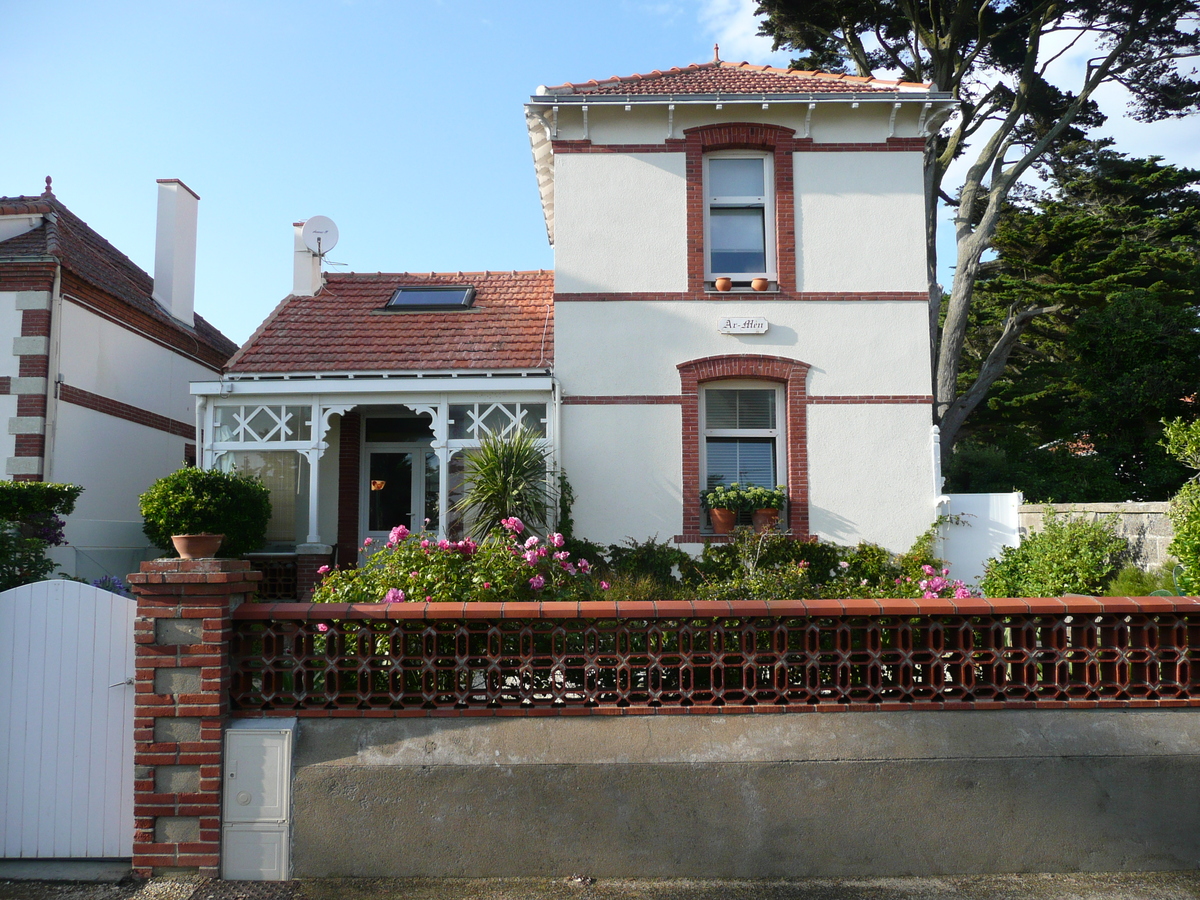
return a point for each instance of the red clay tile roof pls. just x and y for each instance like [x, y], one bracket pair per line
[720, 77]
[510, 326]
[79, 249]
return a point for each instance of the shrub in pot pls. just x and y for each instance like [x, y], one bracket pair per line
[724, 503]
[193, 501]
[765, 504]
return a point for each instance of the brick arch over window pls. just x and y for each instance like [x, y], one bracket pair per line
[793, 375]
[775, 139]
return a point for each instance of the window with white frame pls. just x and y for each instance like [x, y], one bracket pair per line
[742, 440]
[739, 216]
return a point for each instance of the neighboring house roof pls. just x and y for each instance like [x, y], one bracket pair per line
[64, 238]
[344, 328]
[720, 77]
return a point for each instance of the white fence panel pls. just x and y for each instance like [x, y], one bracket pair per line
[990, 523]
[66, 722]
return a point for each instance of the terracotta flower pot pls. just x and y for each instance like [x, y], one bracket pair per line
[723, 284]
[764, 520]
[760, 284]
[723, 520]
[197, 546]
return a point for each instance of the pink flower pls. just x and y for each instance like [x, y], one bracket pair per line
[585, 566]
[537, 582]
[561, 555]
[322, 627]
[515, 525]
[541, 551]
[843, 565]
[531, 542]
[557, 539]
[443, 544]
[567, 567]
[531, 557]
[962, 592]
[398, 534]
[486, 585]
[368, 542]
[395, 595]
[427, 599]
[424, 543]
[927, 569]
[324, 570]
[604, 585]
[415, 574]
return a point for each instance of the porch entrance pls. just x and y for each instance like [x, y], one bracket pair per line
[400, 476]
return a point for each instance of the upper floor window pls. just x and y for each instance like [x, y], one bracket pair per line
[739, 216]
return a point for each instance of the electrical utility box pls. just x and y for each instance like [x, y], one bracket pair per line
[256, 825]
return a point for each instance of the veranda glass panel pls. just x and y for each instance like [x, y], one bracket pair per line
[739, 242]
[748, 461]
[285, 473]
[754, 408]
[398, 430]
[432, 473]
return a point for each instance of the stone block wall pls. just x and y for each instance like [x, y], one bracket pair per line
[1145, 525]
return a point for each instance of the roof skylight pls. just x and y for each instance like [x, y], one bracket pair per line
[433, 297]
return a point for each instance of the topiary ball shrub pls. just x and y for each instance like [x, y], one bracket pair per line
[194, 501]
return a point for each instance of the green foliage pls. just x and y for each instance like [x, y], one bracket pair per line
[732, 497]
[766, 498]
[748, 552]
[1068, 556]
[566, 505]
[648, 559]
[1133, 581]
[21, 500]
[500, 568]
[1112, 249]
[195, 501]
[506, 477]
[22, 559]
[1182, 440]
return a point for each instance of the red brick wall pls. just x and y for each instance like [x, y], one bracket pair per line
[348, 479]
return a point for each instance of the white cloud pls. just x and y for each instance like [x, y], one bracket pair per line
[733, 25]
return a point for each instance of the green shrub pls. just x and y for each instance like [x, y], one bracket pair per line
[195, 501]
[748, 551]
[647, 559]
[1182, 440]
[30, 521]
[1132, 581]
[22, 559]
[1069, 556]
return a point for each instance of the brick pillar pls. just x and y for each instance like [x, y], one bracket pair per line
[182, 697]
[309, 559]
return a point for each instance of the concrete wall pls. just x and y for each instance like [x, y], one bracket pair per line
[1145, 525]
[853, 794]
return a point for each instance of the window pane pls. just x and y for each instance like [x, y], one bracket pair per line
[748, 461]
[739, 409]
[285, 473]
[459, 420]
[738, 239]
[534, 418]
[432, 483]
[735, 178]
[390, 491]
[398, 430]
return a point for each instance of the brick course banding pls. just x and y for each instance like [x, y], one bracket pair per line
[79, 397]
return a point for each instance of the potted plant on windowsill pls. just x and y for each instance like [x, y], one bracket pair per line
[724, 504]
[765, 504]
[228, 513]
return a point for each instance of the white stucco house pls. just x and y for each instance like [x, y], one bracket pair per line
[648, 359]
[95, 390]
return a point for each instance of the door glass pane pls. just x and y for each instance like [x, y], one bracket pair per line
[738, 238]
[735, 178]
[748, 461]
[739, 408]
[389, 498]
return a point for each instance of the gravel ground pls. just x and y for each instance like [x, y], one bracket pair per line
[1123, 886]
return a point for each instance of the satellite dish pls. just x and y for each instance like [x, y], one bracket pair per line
[320, 234]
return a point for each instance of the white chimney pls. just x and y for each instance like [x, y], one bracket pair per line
[175, 249]
[306, 268]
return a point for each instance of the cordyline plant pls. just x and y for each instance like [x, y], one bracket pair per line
[506, 477]
[504, 566]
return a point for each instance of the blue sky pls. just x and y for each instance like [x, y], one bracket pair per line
[400, 120]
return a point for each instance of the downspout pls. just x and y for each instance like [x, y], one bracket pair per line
[556, 431]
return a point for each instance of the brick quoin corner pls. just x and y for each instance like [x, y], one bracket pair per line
[182, 629]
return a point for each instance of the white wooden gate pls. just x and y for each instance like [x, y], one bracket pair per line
[66, 722]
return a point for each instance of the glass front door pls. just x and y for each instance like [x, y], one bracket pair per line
[400, 488]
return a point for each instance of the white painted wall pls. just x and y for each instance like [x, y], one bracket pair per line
[620, 222]
[625, 465]
[106, 359]
[860, 222]
[633, 347]
[870, 473]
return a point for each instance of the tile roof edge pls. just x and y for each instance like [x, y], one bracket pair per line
[570, 87]
[258, 332]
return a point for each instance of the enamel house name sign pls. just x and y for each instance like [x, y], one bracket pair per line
[742, 325]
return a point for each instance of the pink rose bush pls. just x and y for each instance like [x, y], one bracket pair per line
[501, 567]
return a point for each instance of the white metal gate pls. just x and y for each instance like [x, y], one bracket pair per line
[66, 722]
